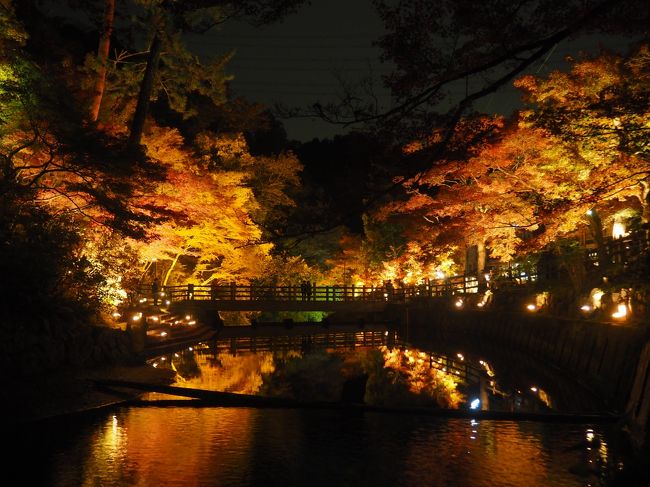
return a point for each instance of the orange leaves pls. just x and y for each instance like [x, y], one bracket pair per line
[218, 191]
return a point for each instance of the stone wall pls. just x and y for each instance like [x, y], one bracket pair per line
[40, 347]
[602, 356]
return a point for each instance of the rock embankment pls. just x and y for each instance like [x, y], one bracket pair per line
[27, 349]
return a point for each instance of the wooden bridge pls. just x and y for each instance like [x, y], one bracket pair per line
[237, 297]
[249, 297]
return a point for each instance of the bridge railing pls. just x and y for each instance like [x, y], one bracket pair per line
[334, 293]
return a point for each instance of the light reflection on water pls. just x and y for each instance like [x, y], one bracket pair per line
[212, 446]
[248, 447]
[315, 367]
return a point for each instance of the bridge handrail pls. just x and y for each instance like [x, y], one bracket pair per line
[333, 293]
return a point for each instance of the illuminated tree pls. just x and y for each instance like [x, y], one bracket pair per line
[601, 110]
[271, 178]
[582, 142]
[212, 208]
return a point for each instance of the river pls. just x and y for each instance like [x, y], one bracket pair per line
[157, 444]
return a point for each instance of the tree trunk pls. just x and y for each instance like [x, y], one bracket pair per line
[482, 258]
[597, 232]
[171, 266]
[146, 88]
[102, 57]
[644, 198]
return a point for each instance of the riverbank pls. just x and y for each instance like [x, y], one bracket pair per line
[60, 378]
[68, 391]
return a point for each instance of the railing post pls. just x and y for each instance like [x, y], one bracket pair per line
[190, 292]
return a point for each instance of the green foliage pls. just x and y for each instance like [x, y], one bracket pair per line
[296, 316]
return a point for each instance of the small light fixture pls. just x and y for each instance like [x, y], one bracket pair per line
[621, 312]
[531, 307]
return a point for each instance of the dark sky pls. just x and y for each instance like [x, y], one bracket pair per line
[295, 62]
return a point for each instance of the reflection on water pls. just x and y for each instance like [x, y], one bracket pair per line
[364, 367]
[248, 447]
[370, 366]
[218, 446]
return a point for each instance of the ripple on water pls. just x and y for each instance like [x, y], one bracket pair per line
[240, 446]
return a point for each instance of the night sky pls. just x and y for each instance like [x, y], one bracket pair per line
[296, 62]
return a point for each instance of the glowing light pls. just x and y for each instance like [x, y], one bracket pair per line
[191, 322]
[586, 308]
[590, 212]
[460, 356]
[188, 317]
[459, 303]
[136, 317]
[167, 302]
[487, 367]
[531, 307]
[475, 403]
[116, 315]
[621, 311]
[487, 297]
[155, 365]
[153, 318]
[190, 349]
[439, 274]
[618, 230]
[534, 389]
[590, 435]
[596, 296]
